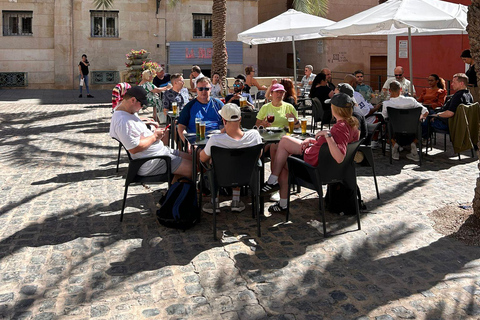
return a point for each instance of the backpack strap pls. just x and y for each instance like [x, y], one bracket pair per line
[179, 201]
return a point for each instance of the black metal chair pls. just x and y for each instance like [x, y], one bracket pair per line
[248, 119]
[327, 171]
[366, 149]
[317, 114]
[235, 168]
[405, 121]
[133, 177]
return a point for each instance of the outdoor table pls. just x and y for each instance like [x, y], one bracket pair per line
[172, 120]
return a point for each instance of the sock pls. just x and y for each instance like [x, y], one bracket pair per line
[272, 179]
[283, 203]
[236, 194]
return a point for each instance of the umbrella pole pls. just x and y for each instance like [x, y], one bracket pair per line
[410, 59]
[294, 65]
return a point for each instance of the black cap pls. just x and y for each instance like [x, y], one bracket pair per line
[342, 100]
[138, 93]
[344, 88]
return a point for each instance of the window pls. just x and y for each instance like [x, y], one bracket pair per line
[202, 25]
[104, 24]
[17, 23]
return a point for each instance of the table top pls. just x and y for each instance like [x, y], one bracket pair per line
[171, 115]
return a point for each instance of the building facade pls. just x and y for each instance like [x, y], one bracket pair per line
[44, 40]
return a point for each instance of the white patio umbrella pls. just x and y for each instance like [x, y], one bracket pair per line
[403, 16]
[289, 26]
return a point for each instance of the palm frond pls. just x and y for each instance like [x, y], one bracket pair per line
[106, 4]
[315, 7]
[172, 3]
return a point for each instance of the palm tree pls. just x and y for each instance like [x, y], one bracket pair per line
[219, 35]
[315, 7]
[473, 30]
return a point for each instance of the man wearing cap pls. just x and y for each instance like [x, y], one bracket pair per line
[400, 102]
[233, 138]
[404, 83]
[203, 107]
[238, 93]
[363, 107]
[344, 131]
[142, 142]
[162, 79]
[307, 79]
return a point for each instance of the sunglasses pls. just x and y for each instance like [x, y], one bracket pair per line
[399, 75]
[259, 127]
[237, 85]
[203, 89]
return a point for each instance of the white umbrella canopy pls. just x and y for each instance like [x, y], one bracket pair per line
[289, 26]
[403, 16]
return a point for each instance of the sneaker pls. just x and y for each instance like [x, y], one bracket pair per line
[400, 149]
[208, 207]
[395, 152]
[237, 206]
[89, 96]
[413, 147]
[269, 188]
[275, 197]
[276, 208]
[376, 145]
[413, 156]
[80, 95]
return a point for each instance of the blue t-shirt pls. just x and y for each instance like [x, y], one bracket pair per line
[207, 112]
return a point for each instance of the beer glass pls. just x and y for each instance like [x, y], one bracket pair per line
[174, 108]
[303, 123]
[202, 130]
[243, 102]
[197, 126]
[291, 124]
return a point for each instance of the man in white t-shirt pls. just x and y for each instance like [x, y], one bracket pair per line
[307, 79]
[404, 83]
[142, 142]
[233, 138]
[194, 76]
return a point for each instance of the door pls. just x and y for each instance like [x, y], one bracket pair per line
[378, 71]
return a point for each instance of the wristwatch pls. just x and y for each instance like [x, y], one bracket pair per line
[328, 135]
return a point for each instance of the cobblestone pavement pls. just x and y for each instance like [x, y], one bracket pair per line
[65, 255]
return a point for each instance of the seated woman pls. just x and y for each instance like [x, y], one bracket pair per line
[153, 97]
[251, 81]
[290, 94]
[322, 91]
[344, 131]
[435, 95]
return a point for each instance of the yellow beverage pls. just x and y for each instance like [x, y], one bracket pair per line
[174, 108]
[243, 102]
[291, 124]
[303, 123]
[202, 130]
[197, 128]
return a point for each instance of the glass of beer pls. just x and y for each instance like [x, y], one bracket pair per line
[243, 102]
[303, 123]
[174, 108]
[197, 126]
[202, 130]
[291, 124]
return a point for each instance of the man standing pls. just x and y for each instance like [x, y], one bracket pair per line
[141, 142]
[233, 138]
[195, 76]
[177, 93]
[238, 93]
[401, 102]
[307, 79]
[162, 79]
[364, 89]
[404, 83]
[203, 107]
[462, 96]
[328, 74]
[83, 69]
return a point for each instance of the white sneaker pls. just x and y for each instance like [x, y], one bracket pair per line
[208, 207]
[376, 145]
[413, 147]
[275, 197]
[413, 156]
[395, 152]
[237, 206]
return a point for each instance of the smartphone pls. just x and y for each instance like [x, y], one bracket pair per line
[167, 126]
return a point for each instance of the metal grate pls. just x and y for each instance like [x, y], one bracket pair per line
[13, 79]
[103, 77]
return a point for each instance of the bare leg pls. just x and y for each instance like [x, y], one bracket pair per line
[273, 152]
[286, 147]
[283, 181]
[185, 168]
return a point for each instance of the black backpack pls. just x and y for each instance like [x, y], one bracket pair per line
[340, 198]
[179, 206]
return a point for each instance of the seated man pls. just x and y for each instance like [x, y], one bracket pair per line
[177, 94]
[162, 79]
[364, 89]
[363, 106]
[307, 79]
[203, 107]
[401, 102]
[237, 94]
[462, 96]
[142, 142]
[404, 83]
[233, 138]
[195, 75]
[118, 92]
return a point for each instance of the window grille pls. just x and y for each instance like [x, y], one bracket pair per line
[17, 23]
[202, 26]
[104, 24]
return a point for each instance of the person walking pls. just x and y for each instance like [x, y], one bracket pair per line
[83, 69]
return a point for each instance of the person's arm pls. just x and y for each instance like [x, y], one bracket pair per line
[146, 142]
[180, 129]
[332, 145]
[268, 93]
[256, 84]
[192, 85]
[80, 70]
[373, 110]
[445, 114]
[331, 93]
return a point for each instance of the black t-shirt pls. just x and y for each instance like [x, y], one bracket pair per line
[472, 76]
[84, 68]
[321, 92]
[161, 82]
[460, 97]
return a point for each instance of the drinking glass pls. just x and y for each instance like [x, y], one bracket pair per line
[303, 123]
[174, 108]
[202, 130]
[270, 118]
[291, 124]
[197, 126]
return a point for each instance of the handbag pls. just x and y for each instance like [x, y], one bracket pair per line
[82, 82]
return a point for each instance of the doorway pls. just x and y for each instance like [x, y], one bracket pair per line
[378, 71]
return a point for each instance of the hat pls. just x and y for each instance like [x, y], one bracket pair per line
[278, 87]
[342, 100]
[344, 88]
[138, 93]
[230, 112]
[465, 54]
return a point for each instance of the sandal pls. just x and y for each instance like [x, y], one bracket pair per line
[276, 208]
[269, 188]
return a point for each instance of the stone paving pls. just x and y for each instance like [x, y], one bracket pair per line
[65, 255]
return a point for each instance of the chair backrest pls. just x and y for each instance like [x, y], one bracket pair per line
[254, 92]
[248, 119]
[234, 167]
[404, 120]
[128, 153]
[317, 109]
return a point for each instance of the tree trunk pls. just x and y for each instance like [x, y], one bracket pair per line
[219, 34]
[473, 30]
